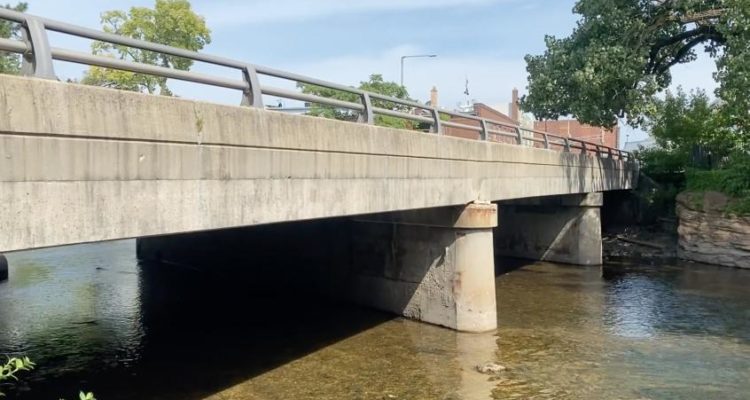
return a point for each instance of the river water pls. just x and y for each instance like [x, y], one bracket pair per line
[94, 319]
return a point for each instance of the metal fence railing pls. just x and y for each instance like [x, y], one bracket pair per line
[38, 56]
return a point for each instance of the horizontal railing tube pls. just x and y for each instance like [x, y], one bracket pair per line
[290, 94]
[108, 62]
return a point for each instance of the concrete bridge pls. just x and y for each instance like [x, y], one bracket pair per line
[405, 221]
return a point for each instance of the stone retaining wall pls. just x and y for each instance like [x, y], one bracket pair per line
[708, 235]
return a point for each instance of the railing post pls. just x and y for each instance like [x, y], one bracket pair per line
[546, 141]
[567, 145]
[367, 116]
[38, 62]
[252, 96]
[519, 137]
[485, 134]
[609, 150]
[437, 127]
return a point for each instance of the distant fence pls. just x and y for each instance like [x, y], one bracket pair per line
[38, 58]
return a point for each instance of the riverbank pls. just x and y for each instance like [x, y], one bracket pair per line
[649, 244]
[709, 233]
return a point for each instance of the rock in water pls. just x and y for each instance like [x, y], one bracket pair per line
[490, 368]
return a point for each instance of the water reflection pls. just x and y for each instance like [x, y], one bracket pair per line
[96, 320]
[71, 309]
[638, 332]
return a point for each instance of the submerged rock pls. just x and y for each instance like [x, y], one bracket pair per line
[490, 368]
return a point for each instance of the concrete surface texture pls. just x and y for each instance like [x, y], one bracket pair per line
[81, 164]
[433, 272]
[564, 229]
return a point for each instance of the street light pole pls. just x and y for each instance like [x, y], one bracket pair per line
[413, 56]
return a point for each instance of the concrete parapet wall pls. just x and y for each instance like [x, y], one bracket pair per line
[81, 164]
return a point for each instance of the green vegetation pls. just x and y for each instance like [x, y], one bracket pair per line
[12, 367]
[376, 84]
[621, 52]
[86, 396]
[10, 63]
[732, 180]
[690, 132]
[170, 22]
[697, 150]
[15, 365]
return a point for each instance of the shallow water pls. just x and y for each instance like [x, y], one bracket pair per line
[93, 319]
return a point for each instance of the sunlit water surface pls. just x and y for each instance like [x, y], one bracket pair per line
[93, 319]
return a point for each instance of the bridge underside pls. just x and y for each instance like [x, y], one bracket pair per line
[434, 265]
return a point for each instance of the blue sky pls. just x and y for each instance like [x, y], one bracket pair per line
[346, 40]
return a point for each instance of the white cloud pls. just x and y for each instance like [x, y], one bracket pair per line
[234, 12]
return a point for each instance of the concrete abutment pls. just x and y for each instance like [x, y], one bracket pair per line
[565, 229]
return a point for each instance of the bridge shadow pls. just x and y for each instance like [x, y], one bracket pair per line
[203, 330]
[210, 333]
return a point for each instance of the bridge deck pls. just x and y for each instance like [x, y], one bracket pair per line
[81, 164]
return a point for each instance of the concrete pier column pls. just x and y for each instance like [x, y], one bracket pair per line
[565, 229]
[434, 265]
[3, 268]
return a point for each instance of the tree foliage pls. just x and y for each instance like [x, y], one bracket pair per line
[170, 22]
[690, 132]
[10, 63]
[621, 52]
[375, 84]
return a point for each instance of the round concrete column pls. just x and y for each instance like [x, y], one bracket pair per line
[474, 281]
[3, 268]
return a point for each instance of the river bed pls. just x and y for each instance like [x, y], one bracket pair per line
[94, 319]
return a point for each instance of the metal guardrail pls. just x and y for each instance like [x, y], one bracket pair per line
[38, 58]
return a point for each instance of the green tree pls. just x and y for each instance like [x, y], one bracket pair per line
[10, 63]
[621, 52]
[690, 131]
[170, 22]
[375, 84]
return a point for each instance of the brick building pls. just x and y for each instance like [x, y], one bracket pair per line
[565, 128]
[577, 130]
[483, 111]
